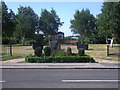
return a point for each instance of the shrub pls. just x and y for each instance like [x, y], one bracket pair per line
[38, 51]
[69, 51]
[61, 59]
[38, 41]
[29, 42]
[47, 51]
[81, 52]
[61, 53]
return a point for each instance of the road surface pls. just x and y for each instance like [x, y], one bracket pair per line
[60, 78]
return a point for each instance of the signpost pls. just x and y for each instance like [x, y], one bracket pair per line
[55, 42]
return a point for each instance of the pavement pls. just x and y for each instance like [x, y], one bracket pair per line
[16, 64]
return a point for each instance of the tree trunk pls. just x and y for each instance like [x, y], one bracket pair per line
[23, 40]
[111, 44]
[82, 40]
[106, 40]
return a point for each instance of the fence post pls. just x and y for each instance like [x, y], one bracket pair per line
[107, 50]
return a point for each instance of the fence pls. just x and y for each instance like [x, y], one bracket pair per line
[113, 51]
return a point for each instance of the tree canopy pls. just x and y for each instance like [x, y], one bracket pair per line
[8, 26]
[26, 23]
[109, 20]
[49, 22]
[83, 24]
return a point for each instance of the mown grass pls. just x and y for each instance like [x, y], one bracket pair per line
[18, 51]
[98, 51]
[101, 52]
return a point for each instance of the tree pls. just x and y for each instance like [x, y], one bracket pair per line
[83, 24]
[26, 23]
[109, 20]
[0, 22]
[8, 25]
[49, 22]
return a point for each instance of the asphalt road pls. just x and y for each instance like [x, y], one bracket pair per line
[60, 78]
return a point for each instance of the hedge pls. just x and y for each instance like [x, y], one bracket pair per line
[60, 59]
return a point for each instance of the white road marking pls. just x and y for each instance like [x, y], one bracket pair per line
[2, 81]
[90, 80]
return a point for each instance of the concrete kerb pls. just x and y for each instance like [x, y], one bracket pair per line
[14, 64]
[59, 66]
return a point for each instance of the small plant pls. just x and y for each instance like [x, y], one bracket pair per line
[47, 51]
[81, 52]
[61, 53]
[38, 51]
[69, 51]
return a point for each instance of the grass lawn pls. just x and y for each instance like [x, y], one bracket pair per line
[99, 51]
[17, 51]
[95, 50]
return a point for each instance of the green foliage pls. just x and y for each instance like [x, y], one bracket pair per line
[49, 22]
[29, 41]
[8, 25]
[69, 38]
[60, 59]
[38, 41]
[83, 24]
[26, 23]
[47, 51]
[61, 53]
[69, 51]
[81, 52]
[99, 38]
[26, 58]
[109, 20]
[38, 51]
[87, 40]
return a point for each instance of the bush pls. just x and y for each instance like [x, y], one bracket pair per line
[47, 51]
[29, 42]
[60, 59]
[69, 51]
[81, 52]
[38, 51]
[38, 41]
[61, 53]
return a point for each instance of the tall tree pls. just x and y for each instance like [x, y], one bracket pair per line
[26, 23]
[0, 22]
[83, 24]
[8, 25]
[109, 20]
[49, 22]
